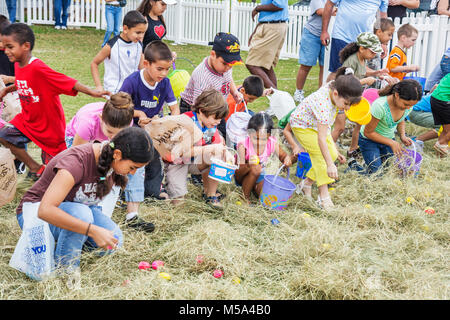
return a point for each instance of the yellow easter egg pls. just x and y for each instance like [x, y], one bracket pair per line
[306, 215]
[326, 246]
[331, 189]
[238, 203]
[425, 228]
[368, 206]
[165, 275]
[236, 280]
[254, 159]
[410, 200]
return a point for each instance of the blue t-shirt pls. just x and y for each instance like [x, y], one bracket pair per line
[277, 15]
[147, 98]
[355, 17]
[424, 104]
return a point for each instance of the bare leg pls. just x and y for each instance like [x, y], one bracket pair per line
[432, 134]
[339, 126]
[444, 138]
[301, 76]
[22, 155]
[259, 71]
[320, 76]
[355, 137]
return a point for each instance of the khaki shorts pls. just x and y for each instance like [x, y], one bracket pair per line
[176, 178]
[266, 45]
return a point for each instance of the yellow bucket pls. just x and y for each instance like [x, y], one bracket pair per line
[440, 131]
[178, 80]
[360, 112]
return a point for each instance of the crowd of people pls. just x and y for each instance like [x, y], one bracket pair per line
[106, 146]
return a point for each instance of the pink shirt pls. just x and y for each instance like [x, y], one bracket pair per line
[250, 151]
[87, 123]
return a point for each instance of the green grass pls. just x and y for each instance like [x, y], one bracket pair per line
[375, 245]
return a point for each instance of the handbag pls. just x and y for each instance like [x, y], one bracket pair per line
[34, 252]
[122, 3]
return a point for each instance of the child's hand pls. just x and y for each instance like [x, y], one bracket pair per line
[397, 149]
[99, 88]
[341, 158]
[143, 121]
[368, 81]
[7, 79]
[390, 80]
[267, 92]
[332, 171]
[2, 93]
[406, 141]
[238, 97]
[287, 161]
[100, 93]
[382, 72]
[174, 56]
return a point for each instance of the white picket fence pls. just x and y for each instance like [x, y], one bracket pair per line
[197, 21]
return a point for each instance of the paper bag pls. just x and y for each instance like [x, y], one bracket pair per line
[174, 136]
[11, 105]
[8, 176]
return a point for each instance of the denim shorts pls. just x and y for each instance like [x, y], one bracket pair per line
[311, 49]
[14, 136]
[336, 46]
[69, 141]
[134, 191]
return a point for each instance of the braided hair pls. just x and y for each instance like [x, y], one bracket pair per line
[134, 144]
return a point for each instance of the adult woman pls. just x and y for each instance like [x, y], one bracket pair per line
[113, 15]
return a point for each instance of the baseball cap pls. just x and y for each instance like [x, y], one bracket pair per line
[228, 47]
[370, 41]
[169, 2]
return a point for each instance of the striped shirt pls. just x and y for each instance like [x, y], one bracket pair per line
[204, 78]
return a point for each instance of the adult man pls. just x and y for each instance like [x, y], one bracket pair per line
[352, 18]
[267, 39]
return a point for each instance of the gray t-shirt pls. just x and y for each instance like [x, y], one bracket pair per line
[314, 24]
[358, 68]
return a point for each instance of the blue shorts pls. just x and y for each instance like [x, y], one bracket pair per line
[311, 49]
[14, 136]
[336, 46]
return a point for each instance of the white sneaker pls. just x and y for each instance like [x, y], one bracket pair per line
[57, 27]
[298, 95]
[64, 28]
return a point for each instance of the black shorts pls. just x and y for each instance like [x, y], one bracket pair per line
[14, 136]
[441, 111]
[184, 106]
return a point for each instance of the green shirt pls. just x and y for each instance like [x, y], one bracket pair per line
[442, 92]
[358, 68]
[386, 126]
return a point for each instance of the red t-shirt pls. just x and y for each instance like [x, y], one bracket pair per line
[42, 117]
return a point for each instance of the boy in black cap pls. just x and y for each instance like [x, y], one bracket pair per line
[214, 72]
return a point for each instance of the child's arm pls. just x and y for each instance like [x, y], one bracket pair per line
[6, 90]
[141, 61]
[367, 81]
[401, 131]
[287, 132]
[48, 211]
[93, 93]
[98, 59]
[8, 79]
[406, 69]
[370, 133]
[322, 132]
[238, 97]
[174, 109]
[376, 73]
[285, 158]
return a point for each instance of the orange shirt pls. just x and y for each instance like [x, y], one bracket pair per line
[397, 58]
[232, 107]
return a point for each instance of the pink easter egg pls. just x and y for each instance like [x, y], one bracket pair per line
[156, 264]
[143, 265]
[218, 273]
[199, 259]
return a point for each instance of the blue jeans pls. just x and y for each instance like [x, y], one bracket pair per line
[134, 191]
[374, 153]
[113, 18]
[61, 6]
[445, 65]
[68, 243]
[12, 5]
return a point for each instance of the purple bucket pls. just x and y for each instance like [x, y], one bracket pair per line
[276, 191]
[410, 161]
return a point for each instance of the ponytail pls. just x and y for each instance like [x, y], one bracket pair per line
[118, 110]
[407, 90]
[134, 144]
[347, 51]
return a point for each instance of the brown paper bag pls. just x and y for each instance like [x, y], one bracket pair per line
[11, 105]
[174, 136]
[8, 176]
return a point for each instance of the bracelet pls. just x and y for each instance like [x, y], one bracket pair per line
[87, 231]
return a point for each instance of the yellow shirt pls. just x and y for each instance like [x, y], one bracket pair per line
[397, 58]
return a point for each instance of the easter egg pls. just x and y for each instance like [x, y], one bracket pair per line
[239, 203]
[275, 221]
[429, 210]
[331, 189]
[218, 273]
[425, 228]
[254, 159]
[306, 215]
[164, 275]
[410, 200]
[199, 259]
[326, 246]
[368, 206]
[236, 280]
[143, 265]
[125, 283]
[157, 264]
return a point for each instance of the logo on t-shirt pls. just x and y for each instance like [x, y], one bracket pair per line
[159, 30]
[87, 195]
[225, 88]
[26, 94]
[150, 104]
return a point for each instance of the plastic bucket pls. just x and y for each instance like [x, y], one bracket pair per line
[178, 80]
[410, 161]
[420, 80]
[303, 165]
[222, 171]
[276, 191]
[360, 112]
[371, 94]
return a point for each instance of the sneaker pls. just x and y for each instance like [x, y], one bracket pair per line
[64, 28]
[140, 225]
[36, 175]
[353, 153]
[196, 179]
[57, 27]
[354, 165]
[20, 166]
[299, 95]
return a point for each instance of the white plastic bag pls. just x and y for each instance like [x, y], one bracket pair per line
[237, 125]
[34, 252]
[108, 203]
[281, 103]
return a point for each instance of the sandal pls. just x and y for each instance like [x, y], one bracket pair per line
[441, 149]
[300, 189]
[36, 175]
[214, 202]
[325, 203]
[219, 196]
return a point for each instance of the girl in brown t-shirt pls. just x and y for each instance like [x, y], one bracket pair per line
[73, 184]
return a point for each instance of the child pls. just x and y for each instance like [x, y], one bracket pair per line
[252, 88]
[311, 123]
[122, 54]
[73, 184]
[383, 29]
[208, 110]
[6, 66]
[407, 36]
[153, 11]
[214, 72]
[354, 56]
[42, 118]
[441, 113]
[254, 152]
[311, 48]
[376, 139]
[150, 89]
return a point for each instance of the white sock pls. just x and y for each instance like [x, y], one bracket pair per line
[299, 90]
[131, 215]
